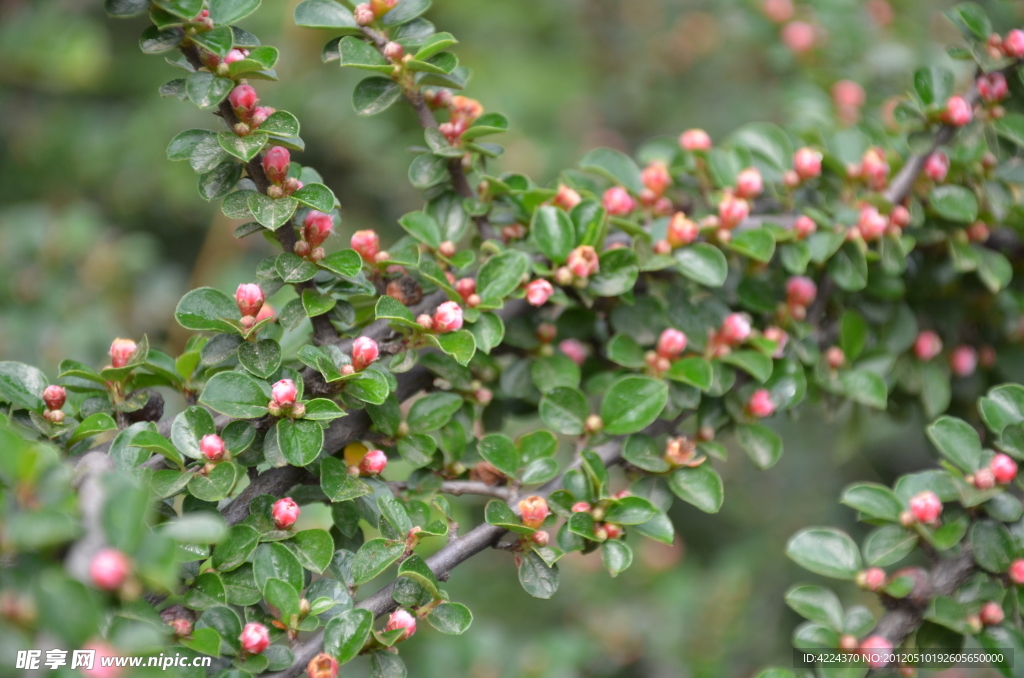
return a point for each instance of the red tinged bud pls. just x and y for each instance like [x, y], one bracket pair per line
[900, 216]
[236, 55]
[807, 163]
[583, 507]
[978, 232]
[991, 614]
[732, 210]
[364, 15]
[394, 51]
[249, 298]
[1004, 469]
[671, 343]
[284, 392]
[876, 651]
[871, 224]
[760, 404]
[927, 345]
[992, 87]
[874, 168]
[574, 350]
[1013, 44]
[533, 511]
[695, 140]
[749, 183]
[367, 244]
[848, 94]
[373, 463]
[778, 11]
[963, 361]
[212, 447]
[364, 353]
[401, 619]
[540, 538]
[538, 292]
[735, 329]
[779, 336]
[936, 166]
[182, 627]
[54, 397]
[255, 638]
[656, 177]
[275, 164]
[984, 479]
[848, 642]
[425, 321]
[804, 226]
[618, 201]
[483, 396]
[593, 424]
[566, 198]
[447, 317]
[109, 569]
[613, 531]
[260, 115]
[871, 579]
[798, 36]
[322, 666]
[958, 112]
[1016, 571]
[447, 249]
[121, 351]
[243, 99]
[316, 227]
[835, 357]
[54, 416]
[546, 333]
[681, 231]
[926, 507]
[583, 261]
[800, 291]
[285, 512]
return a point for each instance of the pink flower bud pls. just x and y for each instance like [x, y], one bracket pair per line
[977, 232]
[267, 311]
[401, 619]
[212, 447]
[367, 244]
[364, 352]
[618, 201]
[984, 479]
[255, 638]
[732, 210]
[182, 627]
[927, 345]
[546, 333]
[233, 56]
[874, 168]
[656, 177]
[574, 350]
[926, 507]
[249, 298]
[804, 226]
[394, 51]
[425, 321]
[447, 317]
[848, 94]
[447, 249]
[381, 7]
[566, 198]
[583, 261]
[583, 507]
[322, 666]
[671, 343]
[54, 397]
[275, 164]
[538, 292]
[243, 98]
[54, 416]
[807, 163]
[798, 36]
[285, 512]
[958, 112]
[835, 357]
[316, 227]
[936, 166]
[483, 396]
[613, 531]
[284, 392]
[1013, 44]
[1017, 571]
[1004, 469]
[466, 287]
[109, 569]
[681, 231]
[749, 183]
[533, 510]
[992, 87]
[779, 336]
[364, 15]
[373, 463]
[121, 352]
[963, 360]
[260, 115]
[991, 614]
[695, 140]
[876, 651]
[872, 225]
[871, 579]
[760, 404]
[778, 11]
[540, 538]
[900, 216]
[800, 291]
[735, 329]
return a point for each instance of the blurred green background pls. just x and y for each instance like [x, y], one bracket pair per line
[100, 236]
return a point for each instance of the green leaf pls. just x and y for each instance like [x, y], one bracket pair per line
[703, 263]
[423, 227]
[358, 53]
[125, 8]
[274, 561]
[316, 303]
[864, 387]
[91, 425]
[955, 203]
[460, 344]
[433, 411]
[888, 545]
[754, 363]
[271, 213]
[616, 556]
[217, 41]
[693, 371]
[220, 181]
[499, 514]
[758, 244]
[933, 85]
[614, 165]
[825, 551]
[316, 196]
[405, 11]
[324, 14]
[645, 453]
[345, 263]
[630, 511]
[196, 528]
[488, 330]
[338, 484]
[151, 440]
[294, 269]
[206, 90]
[391, 309]
[849, 268]
[370, 386]
[501, 275]
[619, 269]
[236, 394]
[188, 429]
[818, 604]
[347, 633]
[1002, 406]
[762, 444]
[700, 486]
[156, 41]
[539, 471]
[229, 11]
[486, 124]
[553, 233]
[375, 94]
[973, 22]
[281, 123]
[300, 440]
[207, 309]
[235, 549]
[186, 9]
[992, 546]
[957, 441]
[553, 371]
[564, 410]
[1011, 128]
[434, 44]
[874, 500]
[262, 358]
[853, 331]
[245, 148]
[994, 269]
[374, 557]
[500, 451]
[217, 484]
[322, 409]
[283, 596]
[451, 618]
[313, 548]
[536, 577]
[632, 403]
